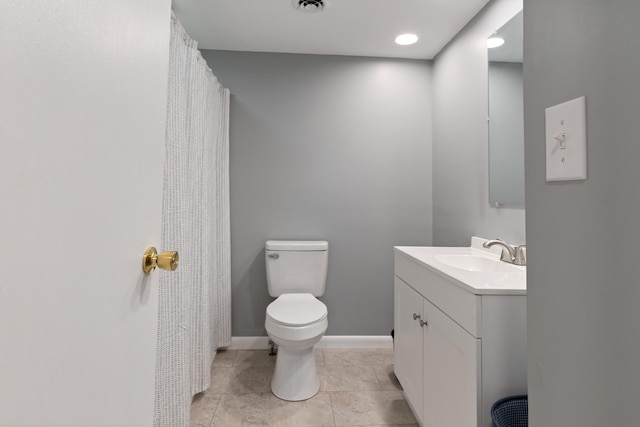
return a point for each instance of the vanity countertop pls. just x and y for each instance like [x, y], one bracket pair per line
[474, 268]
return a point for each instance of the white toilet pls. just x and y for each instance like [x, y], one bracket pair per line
[296, 320]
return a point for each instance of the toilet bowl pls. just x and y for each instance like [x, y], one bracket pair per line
[295, 323]
[296, 320]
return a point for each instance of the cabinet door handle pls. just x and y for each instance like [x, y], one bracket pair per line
[423, 323]
[416, 316]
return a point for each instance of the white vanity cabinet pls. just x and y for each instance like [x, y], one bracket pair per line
[407, 343]
[457, 349]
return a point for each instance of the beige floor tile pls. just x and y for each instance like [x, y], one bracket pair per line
[387, 425]
[358, 356]
[362, 408]
[358, 388]
[386, 378]
[241, 379]
[347, 378]
[265, 409]
[203, 407]
[224, 358]
[254, 358]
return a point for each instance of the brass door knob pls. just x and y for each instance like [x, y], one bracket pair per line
[168, 260]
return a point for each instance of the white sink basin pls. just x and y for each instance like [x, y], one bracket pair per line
[475, 263]
[473, 268]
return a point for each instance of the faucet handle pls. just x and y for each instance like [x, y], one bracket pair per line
[521, 255]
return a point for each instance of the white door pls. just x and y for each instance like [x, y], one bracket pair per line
[451, 372]
[82, 121]
[407, 361]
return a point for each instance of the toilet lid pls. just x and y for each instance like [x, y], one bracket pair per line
[296, 310]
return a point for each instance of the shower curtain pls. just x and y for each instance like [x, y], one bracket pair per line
[195, 300]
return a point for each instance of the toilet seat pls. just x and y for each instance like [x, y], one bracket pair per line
[296, 310]
[295, 323]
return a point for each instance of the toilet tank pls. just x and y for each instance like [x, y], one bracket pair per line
[296, 266]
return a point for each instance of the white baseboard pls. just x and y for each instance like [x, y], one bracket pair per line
[249, 343]
[331, 341]
[355, 341]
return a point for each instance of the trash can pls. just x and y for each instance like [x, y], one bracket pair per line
[511, 411]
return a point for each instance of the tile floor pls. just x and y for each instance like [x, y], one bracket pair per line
[357, 388]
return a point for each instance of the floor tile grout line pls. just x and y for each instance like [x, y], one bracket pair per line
[213, 414]
[333, 411]
[373, 371]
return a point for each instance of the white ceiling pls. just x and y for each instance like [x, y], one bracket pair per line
[345, 27]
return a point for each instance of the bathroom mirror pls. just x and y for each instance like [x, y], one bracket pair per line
[506, 117]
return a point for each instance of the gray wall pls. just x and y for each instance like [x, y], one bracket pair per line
[583, 277]
[332, 148]
[460, 142]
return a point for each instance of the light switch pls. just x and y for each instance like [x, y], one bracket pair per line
[566, 140]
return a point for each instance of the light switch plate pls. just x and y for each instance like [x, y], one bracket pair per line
[566, 140]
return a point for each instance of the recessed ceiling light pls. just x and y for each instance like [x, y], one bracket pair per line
[309, 5]
[494, 42]
[406, 39]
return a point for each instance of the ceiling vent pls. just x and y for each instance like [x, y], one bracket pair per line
[310, 6]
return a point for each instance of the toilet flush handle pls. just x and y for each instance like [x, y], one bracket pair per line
[274, 256]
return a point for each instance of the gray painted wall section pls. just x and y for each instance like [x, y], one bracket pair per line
[460, 138]
[583, 281]
[332, 148]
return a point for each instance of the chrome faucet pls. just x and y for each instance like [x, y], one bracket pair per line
[509, 254]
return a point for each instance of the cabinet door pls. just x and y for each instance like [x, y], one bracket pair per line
[451, 372]
[407, 356]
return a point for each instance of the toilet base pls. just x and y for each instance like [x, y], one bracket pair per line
[295, 377]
